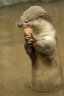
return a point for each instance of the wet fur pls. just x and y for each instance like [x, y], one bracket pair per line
[42, 50]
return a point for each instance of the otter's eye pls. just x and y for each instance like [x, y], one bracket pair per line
[26, 21]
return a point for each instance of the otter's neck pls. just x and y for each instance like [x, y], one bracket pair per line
[47, 28]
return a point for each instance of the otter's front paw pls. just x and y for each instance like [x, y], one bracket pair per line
[28, 49]
[29, 40]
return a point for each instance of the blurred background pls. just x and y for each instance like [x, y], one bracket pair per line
[15, 65]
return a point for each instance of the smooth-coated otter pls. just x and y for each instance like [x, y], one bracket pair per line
[41, 46]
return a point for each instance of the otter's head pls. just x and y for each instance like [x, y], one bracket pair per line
[34, 17]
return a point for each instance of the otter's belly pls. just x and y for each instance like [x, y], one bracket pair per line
[44, 76]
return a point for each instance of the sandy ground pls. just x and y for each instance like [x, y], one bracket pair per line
[15, 65]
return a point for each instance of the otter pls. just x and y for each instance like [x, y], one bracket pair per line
[42, 48]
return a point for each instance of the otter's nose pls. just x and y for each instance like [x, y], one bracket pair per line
[20, 24]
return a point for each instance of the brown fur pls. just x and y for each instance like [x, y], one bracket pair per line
[42, 50]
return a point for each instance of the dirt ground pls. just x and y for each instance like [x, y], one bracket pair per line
[15, 65]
